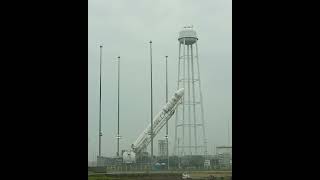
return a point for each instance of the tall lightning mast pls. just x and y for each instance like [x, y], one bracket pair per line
[100, 133]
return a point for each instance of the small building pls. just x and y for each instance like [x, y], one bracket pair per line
[104, 161]
[162, 145]
[224, 155]
[207, 164]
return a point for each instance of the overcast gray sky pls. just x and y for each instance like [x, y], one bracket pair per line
[125, 28]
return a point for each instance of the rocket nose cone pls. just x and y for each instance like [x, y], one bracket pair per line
[180, 92]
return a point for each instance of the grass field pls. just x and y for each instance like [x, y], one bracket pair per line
[161, 175]
[205, 174]
[101, 178]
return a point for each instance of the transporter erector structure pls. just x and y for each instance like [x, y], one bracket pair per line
[143, 140]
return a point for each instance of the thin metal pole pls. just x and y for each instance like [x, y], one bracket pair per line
[194, 102]
[184, 87]
[118, 134]
[100, 133]
[189, 102]
[175, 148]
[167, 102]
[178, 153]
[228, 134]
[151, 133]
[167, 79]
[201, 103]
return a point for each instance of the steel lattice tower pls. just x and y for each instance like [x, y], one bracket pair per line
[190, 136]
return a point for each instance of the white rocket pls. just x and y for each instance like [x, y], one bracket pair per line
[158, 122]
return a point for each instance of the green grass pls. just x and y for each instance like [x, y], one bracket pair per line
[195, 174]
[101, 177]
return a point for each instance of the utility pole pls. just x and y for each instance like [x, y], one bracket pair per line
[151, 133]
